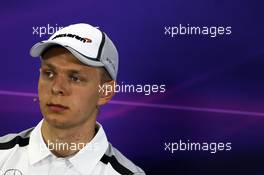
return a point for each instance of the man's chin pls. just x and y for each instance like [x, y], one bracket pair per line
[57, 122]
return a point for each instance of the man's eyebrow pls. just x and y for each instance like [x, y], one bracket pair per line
[70, 71]
[48, 64]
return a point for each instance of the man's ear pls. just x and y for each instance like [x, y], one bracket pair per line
[106, 92]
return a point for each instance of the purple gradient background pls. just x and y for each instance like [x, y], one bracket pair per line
[214, 85]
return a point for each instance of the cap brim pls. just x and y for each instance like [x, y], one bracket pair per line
[39, 48]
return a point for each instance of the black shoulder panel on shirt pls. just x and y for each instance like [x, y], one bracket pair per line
[116, 165]
[11, 140]
[16, 140]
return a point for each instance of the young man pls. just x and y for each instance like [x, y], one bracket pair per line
[76, 62]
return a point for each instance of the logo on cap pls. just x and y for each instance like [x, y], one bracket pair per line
[84, 40]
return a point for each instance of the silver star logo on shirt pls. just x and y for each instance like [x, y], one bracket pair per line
[13, 172]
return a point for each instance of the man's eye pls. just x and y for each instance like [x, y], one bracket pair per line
[75, 79]
[48, 74]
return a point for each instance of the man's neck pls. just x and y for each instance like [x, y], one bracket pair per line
[67, 141]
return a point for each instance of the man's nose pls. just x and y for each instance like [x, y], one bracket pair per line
[60, 86]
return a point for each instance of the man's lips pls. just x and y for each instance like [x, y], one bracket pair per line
[57, 107]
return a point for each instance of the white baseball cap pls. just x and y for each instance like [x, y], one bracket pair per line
[87, 43]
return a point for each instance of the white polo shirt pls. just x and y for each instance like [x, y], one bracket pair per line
[27, 154]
